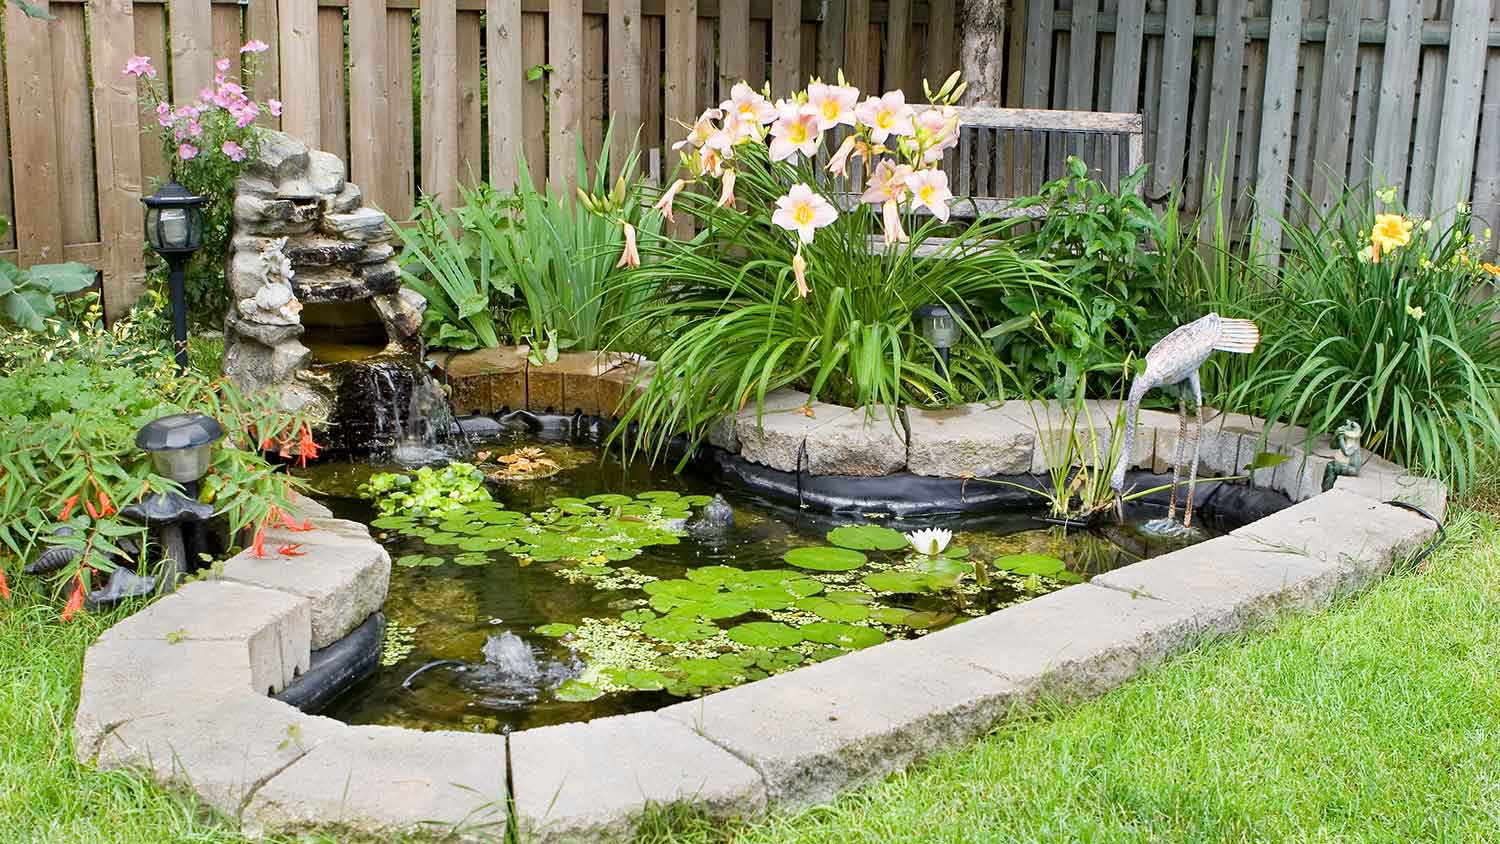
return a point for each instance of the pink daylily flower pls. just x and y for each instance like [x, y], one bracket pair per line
[803, 211]
[929, 189]
[748, 104]
[139, 66]
[832, 104]
[703, 128]
[885, 116]
[795, 133]
[887, 183]
[937, 129]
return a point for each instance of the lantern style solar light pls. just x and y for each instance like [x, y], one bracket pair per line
[181, 446]
[174, 228]
[939, 328]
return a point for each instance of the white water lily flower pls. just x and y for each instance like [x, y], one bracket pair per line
[930, 541]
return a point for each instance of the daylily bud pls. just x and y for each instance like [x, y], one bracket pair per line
[893, 231]
[664, 205]
[840, 160]
[799, 272]
[629, 256]
[726, 192]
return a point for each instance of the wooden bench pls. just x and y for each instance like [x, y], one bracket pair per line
[1007, 153]
[1004, 154]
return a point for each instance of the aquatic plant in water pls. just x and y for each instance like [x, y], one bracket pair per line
[427, 492]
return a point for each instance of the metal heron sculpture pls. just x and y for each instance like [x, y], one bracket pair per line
[1174, 362]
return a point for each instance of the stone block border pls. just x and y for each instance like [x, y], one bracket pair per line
[180, 690]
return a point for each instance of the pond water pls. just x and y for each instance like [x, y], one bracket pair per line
[581, 585]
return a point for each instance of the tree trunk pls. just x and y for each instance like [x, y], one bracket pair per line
[982, 51]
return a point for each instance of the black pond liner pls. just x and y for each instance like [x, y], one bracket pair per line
[903, 494]
[337, 667]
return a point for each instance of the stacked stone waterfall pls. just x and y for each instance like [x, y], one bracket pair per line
[303, 236]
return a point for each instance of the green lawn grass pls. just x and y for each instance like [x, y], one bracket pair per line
[1377, 720]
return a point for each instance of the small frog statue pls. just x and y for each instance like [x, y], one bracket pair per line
[1348, 456]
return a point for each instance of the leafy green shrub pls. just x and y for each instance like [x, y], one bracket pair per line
[1390, 321]
[783, 286]
[1115, 260]
[68, 420]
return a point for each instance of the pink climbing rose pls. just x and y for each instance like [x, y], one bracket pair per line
[187, 152]
[139, 66]
[234, 151]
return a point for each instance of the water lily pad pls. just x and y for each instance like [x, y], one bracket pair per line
[769, 597]
[847, 596]
[826, 609]
[929, 619]
[825, 558]
[842, 635]
[501, 517]
[414, 560]
[696, 500]
[727, 605]
[1028, 564]
[638, 678]
[678, 629]
[707, 673]
[765, 634]
[889, 615]
[444, 538]
[609, 500]
[556, 629]
[659, 495]
[899, 581]
[867, 538]
[773, 660]
[826, 653]
[472, 559]
[394, 523]
[577, 691]
[717, 575]
[637, 616]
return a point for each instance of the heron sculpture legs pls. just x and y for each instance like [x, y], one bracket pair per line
[1182, 428]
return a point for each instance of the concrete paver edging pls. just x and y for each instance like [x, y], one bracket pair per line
[179, 690]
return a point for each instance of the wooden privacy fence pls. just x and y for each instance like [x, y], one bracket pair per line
[423, 96]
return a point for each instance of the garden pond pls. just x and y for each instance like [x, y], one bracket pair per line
[555, 582]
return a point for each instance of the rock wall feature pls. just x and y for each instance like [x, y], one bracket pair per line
[313, 281]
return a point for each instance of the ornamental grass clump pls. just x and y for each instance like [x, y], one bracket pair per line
[805, 272]
[1389, 320]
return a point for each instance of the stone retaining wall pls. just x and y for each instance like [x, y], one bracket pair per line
[179, 690]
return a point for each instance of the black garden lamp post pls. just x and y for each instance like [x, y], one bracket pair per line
[174, 228]
[939, 328]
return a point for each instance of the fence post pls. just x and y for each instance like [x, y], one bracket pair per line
[301, 116]
[33, 141]
[1276, 125]
[1459, 132]
[117, 154]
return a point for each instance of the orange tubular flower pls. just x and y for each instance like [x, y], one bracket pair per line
[75, 600]
[258, 547]
[307, 449]
[106, 507]
[67, 509]
[291, 549]
[4, 587]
